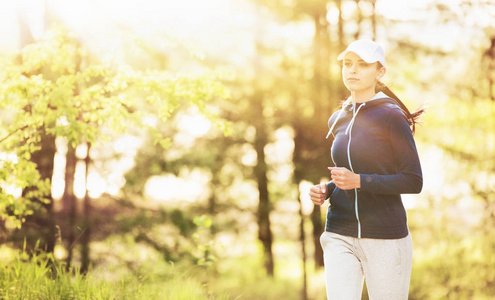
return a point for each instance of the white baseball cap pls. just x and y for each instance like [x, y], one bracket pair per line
[368, 50]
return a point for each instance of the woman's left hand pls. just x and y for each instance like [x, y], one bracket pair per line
[345, 179]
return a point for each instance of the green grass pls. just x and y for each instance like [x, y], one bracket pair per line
[42, 277]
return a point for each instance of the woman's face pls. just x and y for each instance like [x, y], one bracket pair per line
[360, 76]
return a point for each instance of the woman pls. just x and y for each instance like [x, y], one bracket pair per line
[366, 235]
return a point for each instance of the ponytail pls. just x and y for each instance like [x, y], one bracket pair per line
[412, 118]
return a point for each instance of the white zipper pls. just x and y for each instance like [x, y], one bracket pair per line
[349, 131]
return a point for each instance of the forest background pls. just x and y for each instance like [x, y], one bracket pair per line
[164, 149]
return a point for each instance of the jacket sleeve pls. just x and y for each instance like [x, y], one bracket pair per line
[408, 178]
[330, 188]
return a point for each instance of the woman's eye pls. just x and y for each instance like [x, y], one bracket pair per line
[346, 64]
[363, 65]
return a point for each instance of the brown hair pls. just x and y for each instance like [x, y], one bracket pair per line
[414, 117]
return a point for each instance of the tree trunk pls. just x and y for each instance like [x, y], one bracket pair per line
[373, 18]
[86, 222]
[340, 91]
[321, 96]
[264, 208]
[69, 203]
[298, 177]
[357, 34]
[215, 180]
[40, 227]
[302, 240]
[488, 59]
[341, 44]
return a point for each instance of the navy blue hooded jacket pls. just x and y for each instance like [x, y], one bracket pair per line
[373, 139]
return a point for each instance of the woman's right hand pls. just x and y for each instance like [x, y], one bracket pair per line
[318, 193]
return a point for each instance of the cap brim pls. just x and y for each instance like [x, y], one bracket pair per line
[363, 57]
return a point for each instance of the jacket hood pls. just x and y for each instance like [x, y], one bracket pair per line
[379, 99]
[350, 108]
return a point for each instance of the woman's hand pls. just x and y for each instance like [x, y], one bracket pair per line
[345, 179]
[318, 193]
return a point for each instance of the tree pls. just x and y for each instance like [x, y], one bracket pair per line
[55, 89]
[309, 128]
[260, 173]
[488, 61]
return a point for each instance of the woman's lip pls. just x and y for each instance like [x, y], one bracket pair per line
[352, 79]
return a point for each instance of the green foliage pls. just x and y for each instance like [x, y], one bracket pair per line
[204, 241]
[55, 87]
[464, 129]
[20, 173]
[453, 256]
[178, 235]
[450, 263]
[172, 232]
[453, 266]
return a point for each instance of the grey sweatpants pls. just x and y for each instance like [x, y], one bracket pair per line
[385, 264]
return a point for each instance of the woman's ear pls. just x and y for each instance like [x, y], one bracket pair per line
[381, 72]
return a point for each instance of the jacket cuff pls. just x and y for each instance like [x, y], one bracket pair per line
[367, 182]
